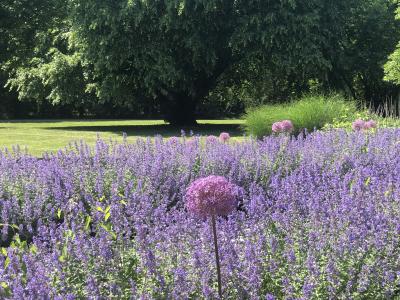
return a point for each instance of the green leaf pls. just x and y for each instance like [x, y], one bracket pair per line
[17, 239]
[6, 262]
[4, 285]
[367, 182]
[107, 216]
[33, 249]
[99, 209]
[69, 234]
[87, 222]
[23, 245]
[59, 211]
[106, 227]
[4, 251]
[107, 209]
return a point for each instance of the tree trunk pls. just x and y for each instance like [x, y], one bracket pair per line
[181, 112]
[178, 109]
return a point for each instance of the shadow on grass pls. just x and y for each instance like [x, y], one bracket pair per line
[42, 121]
[165, 130]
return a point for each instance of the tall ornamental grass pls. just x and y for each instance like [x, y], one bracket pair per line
[310, 112]
[317, 217]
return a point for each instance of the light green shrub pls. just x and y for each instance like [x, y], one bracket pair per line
[309, 112]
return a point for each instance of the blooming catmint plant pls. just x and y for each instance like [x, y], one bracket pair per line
[209, 197]
[224, 137]
[109, 221]
[283, 126]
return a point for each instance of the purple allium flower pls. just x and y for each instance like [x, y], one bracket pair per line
[212, 139]
[369, 124]
[282, 126]
[277, 127]
[358, 125]
[224, 137]
[212, 195]
[287, 125]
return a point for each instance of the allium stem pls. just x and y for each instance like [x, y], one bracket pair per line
[214, 228]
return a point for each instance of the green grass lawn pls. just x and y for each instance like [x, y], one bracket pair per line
[39, 136]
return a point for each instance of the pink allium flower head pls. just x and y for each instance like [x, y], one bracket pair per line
[212, 195]
[287, 125]
[358, 125]
[282, 126]
[224, 137]
[277, 127]
[173, 140]
[370, 124]
[212, 139]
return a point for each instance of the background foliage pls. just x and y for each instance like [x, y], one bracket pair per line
[182, 60]
[392, 67]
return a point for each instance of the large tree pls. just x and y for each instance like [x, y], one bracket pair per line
[171, 55]
[175, 51]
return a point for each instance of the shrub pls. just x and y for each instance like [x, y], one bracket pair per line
[310, 112]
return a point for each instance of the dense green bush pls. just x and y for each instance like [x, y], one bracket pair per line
[309, 112]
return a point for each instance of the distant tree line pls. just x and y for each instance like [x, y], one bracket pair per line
[181, 59]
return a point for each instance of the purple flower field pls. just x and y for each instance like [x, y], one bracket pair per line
[318, 218]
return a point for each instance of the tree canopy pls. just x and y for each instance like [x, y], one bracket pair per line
[176, 51]
[173, 55]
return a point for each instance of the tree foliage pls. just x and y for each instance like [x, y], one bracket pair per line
[392, 67]
[178, 57]
[176, 51]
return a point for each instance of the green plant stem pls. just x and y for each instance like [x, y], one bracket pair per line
[214, 228]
